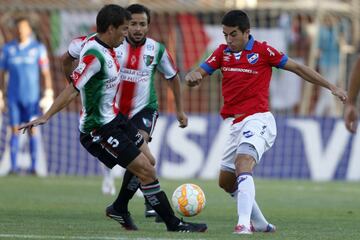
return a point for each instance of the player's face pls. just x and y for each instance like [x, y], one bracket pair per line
[118, 34]
[235, 38]
[138, 27]
[23, 30]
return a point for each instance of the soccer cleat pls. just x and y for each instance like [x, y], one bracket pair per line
[123, 218]
[269, 228]
[149, 211]
[241, 229]
[189, 227]
[158, 219]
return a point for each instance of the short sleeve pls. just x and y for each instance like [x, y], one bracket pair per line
[274, 57]
[43, 57]
[213, 62]
[75, 45]
[88, 66]
[166, 65]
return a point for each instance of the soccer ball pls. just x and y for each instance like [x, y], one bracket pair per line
[188, 199]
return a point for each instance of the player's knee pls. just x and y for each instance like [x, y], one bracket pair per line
[228, 187]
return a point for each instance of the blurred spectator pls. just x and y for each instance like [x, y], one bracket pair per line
[23, 59]
[328, 45]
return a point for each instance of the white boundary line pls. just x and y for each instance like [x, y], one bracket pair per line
[24, 236]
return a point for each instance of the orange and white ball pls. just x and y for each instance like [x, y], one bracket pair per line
[188, 199]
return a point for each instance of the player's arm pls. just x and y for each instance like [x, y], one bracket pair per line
[351, 113]
[175, 86]
[312, 76]
[65, 97]
[67, 63]
[194, 77]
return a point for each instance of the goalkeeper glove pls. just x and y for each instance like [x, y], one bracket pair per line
[47, 100]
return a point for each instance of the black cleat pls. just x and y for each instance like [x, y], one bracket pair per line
[189, 227]
[158, 219]
[149, 211]
[123, 218]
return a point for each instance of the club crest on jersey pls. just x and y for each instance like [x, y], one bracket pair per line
[148, 59]
[248, 134]
[146, 122]
[252, 58]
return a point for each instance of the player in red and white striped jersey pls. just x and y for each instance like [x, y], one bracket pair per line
[246, 65]
[139, 57]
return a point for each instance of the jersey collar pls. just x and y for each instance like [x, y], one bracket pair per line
[102, 43]
[249, 44]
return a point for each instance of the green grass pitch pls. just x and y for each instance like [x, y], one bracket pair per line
[73, 208]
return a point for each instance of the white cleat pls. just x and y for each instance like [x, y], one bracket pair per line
[241, 229]
[108, 187]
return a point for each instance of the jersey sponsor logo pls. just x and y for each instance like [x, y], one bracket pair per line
[252, 58]
[148, 59]
[244, 70]
[271, 53]
[146, 122]
[248, 134]
[133, 75]
[212, 59]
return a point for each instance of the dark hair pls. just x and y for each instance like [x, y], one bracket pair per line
[236, 18]
[138, 8]
[111, 15]
[22, 18]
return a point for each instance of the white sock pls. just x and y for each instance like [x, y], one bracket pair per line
[257, 218]
[245, 198]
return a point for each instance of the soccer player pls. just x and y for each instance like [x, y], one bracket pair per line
[246, 65]
[24, 59]
[351, 115]
[104, 132]
[140, 57]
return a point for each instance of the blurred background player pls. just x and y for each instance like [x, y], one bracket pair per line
[140, 57]
[351, 115]
[329, 58]
[24, 59]
[105, 133]
[246, 65]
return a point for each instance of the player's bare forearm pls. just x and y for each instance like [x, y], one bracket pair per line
[354, 86]
[175, 86]
[67, 63]
[312, 76]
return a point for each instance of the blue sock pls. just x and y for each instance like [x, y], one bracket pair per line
[14, 147]
[33, 151]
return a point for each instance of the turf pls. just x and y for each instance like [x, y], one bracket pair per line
[73, 208]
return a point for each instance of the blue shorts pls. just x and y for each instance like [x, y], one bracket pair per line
[21, 112]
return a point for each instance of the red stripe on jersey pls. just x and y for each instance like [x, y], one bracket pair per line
[87, 60]
[127, 87]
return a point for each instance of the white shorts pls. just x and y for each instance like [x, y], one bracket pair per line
[258, 130]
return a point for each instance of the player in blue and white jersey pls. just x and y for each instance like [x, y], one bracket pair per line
[24, 59]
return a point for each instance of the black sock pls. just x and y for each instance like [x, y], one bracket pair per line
[160, 203]
[129, 187]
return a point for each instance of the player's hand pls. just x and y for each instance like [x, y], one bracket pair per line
[340, 93]
[182, 118]
[193, 78]
[47, 100]
[27, 126]
[351, 117]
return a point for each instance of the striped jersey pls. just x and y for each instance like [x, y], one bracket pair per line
[96, 77]
[137, 72]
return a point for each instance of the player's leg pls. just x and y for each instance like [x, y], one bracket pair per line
[227, 181]
[14, 115]
[30, 111]
[145, 122]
